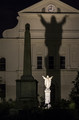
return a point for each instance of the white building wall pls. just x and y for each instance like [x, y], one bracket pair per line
[12, 46]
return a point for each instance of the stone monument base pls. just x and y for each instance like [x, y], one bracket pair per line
[26, 90]
[47, 96]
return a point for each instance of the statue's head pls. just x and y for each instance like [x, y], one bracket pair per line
[53, 20]
[47, 76]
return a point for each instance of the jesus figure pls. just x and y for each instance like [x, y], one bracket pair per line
[47, 81]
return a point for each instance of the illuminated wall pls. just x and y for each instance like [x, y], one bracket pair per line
[54, 28]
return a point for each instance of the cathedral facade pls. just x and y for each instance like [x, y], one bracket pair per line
[54, 30]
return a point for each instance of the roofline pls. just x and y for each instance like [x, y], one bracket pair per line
[54, 12]
[27, 9]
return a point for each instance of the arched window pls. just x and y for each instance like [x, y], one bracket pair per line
[2, 91]
[51, 62]
[2, 64]
[62, 62]
[39, 62]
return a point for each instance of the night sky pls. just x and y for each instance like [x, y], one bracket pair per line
[9, 9]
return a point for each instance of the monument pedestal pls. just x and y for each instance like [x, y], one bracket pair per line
[26, 90]
[47, 96]
[26, 87]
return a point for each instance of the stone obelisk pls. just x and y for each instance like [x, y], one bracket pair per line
[27, 68]
[26, 87]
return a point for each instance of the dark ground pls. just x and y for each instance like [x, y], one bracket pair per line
[41, 115]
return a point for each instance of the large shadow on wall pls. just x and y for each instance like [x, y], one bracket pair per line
[53, 41]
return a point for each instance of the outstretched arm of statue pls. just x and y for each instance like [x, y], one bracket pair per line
[45, 82]
[43, 77]
[64, 19]
[51, 77]
[43, 20]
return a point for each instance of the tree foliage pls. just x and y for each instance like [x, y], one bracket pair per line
[74, 95]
